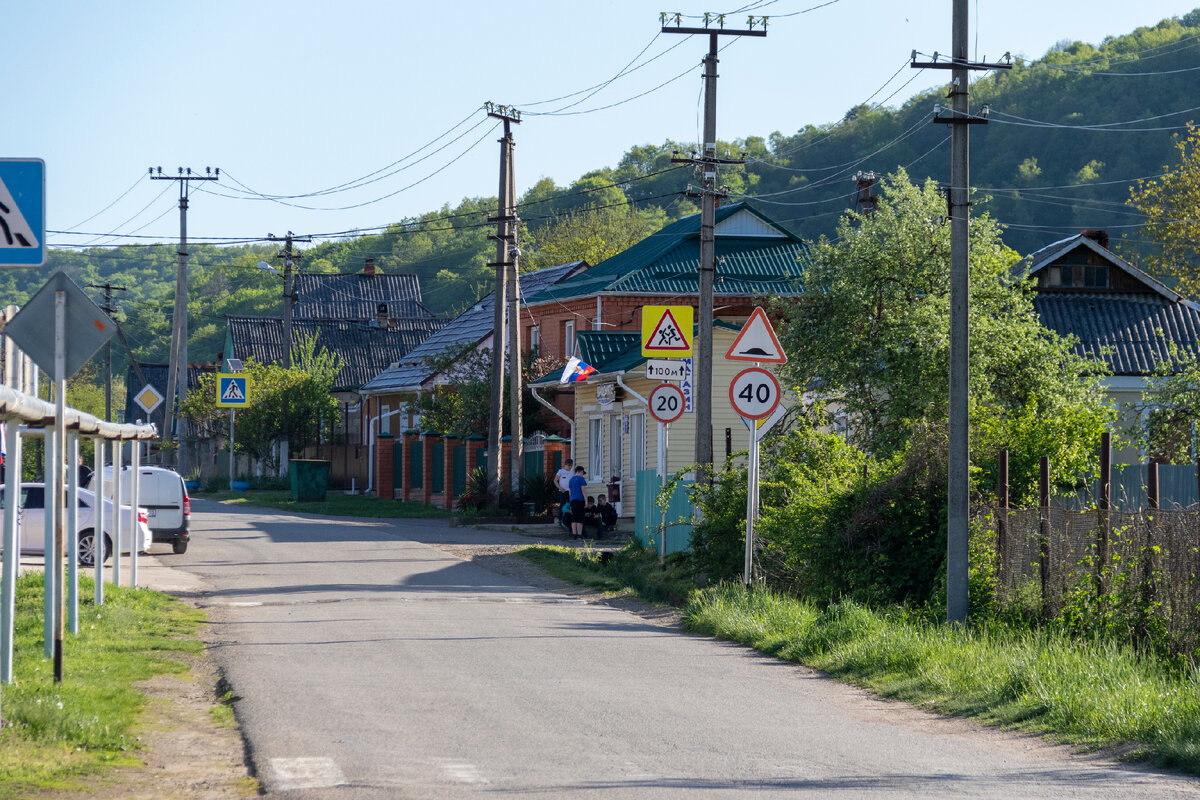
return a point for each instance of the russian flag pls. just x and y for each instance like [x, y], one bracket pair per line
[576, 370]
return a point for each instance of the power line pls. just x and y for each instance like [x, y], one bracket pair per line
[113, 203]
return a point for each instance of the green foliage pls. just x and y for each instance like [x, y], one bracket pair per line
[631, 570]
[286, 404]
[1171, 204]
[718, 542]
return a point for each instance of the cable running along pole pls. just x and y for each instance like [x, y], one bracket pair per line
[177, 368]
[958, 481]
[506, 273]
[708, 162]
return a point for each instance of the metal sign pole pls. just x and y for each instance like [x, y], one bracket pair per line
[8, 579]
[73, 533]
[663, 433]
[232, 417]
[98, 531]
[116, 511]
[751, 491]
[133, 513]
[56, 498]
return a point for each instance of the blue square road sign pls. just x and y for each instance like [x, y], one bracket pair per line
[22, 212]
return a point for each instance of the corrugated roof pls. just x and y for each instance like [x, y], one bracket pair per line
[356, 296]
[1131, 333]
[1040, 259]
[667, 262]
[365, 349]
[612, 352]
[470, 327]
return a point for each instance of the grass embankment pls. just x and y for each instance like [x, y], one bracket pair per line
[54, 734]
[335, 504]
[1090, 693]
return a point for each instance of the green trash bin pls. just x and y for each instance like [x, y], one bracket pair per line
[309, 479]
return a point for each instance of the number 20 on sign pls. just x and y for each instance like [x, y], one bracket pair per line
[754, 393]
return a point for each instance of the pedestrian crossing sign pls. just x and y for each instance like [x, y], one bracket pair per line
[22, 212]
[232, 390]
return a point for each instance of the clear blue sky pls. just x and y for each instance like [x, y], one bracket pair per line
[294, 97]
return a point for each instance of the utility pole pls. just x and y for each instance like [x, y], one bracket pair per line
[507, 290]
[959, 206]
[708, 163]
[289, 290]
[177, 365]
[110, 309]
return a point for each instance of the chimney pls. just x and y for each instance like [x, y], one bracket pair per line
[381, 315]
[369, 269]
[1098, 236]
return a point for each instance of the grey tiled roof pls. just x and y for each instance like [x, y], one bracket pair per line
[156, 376]
[1132, 333]
[365, 349]
[470, 327]
[356, 296]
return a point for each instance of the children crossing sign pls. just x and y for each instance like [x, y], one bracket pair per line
[232, 390]
[667, 331]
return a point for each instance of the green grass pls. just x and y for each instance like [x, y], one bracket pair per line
[1097, 694]
[335, 504]
[630, 571]
[54, 733]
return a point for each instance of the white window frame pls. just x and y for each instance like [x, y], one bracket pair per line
[569, 338]
[535, 340]
[385, 422]
[595, 448]
[637, 443]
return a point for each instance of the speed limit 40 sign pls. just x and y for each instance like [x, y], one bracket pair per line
[754, 393]
[666, 403]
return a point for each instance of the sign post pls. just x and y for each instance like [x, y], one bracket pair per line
[666, 406]
[755, 394]
[233, 392]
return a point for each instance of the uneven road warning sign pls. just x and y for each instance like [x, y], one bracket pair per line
[232, 390]
[757, 342]
[22, 212]
[667, 331]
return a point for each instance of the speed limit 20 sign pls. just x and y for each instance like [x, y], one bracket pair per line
[666, 403]
[754, 393]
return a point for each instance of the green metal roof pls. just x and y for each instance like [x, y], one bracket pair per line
[612, 352]
[668, 262]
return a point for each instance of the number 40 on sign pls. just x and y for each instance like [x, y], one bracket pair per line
[754, 393]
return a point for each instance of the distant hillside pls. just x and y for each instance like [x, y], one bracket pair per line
[1068, 133]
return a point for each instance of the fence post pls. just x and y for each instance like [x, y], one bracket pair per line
[1044, 527]
[1149, 583]
[429, 441]
[449, 445]
[1002, 518]
[1103, 517]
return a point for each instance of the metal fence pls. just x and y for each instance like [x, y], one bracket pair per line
[1139, 570]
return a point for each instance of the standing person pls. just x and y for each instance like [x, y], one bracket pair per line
[575, 489]
[562, 480]
[85, 472]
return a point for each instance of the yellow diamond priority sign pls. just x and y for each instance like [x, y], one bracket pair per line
[148, 398]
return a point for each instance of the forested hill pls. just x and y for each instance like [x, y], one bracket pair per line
[1068, 134]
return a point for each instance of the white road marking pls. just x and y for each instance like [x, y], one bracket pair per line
[463, 773]
[305, 773]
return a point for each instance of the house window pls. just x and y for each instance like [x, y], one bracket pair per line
[1078, 276]
[615, 432]
[569, 338]
[595, 465]
[385, 422]
[535, 339]
[637, 443]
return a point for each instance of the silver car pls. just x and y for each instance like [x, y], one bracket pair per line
[32, 525]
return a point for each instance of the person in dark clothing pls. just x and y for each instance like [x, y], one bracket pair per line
[85, 472]
[606, 512]
[591, 517]
[576, 485]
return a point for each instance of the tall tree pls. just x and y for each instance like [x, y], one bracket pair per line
[1171, 203]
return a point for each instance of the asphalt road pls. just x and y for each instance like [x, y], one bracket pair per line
[369, 663]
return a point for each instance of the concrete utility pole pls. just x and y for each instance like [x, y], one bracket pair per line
[506, 264]
[709, 194]
[110, 309]
[958, 481]
[177, 365]
[289, 293]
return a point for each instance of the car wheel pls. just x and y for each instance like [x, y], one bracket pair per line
[179, 546]
[87, 548]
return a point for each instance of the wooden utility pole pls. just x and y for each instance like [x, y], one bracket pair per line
[506, 273]
[177, 367]
[110, 309]
[289, 293]
[709, 194]
[958, 482]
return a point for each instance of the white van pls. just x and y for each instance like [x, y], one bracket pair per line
[162, 493]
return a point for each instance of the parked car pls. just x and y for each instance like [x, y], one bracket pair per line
[163, 494]
[31, 524]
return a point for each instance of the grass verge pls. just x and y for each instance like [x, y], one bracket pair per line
[335, 504]
[54, 734]
[1097, 694]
